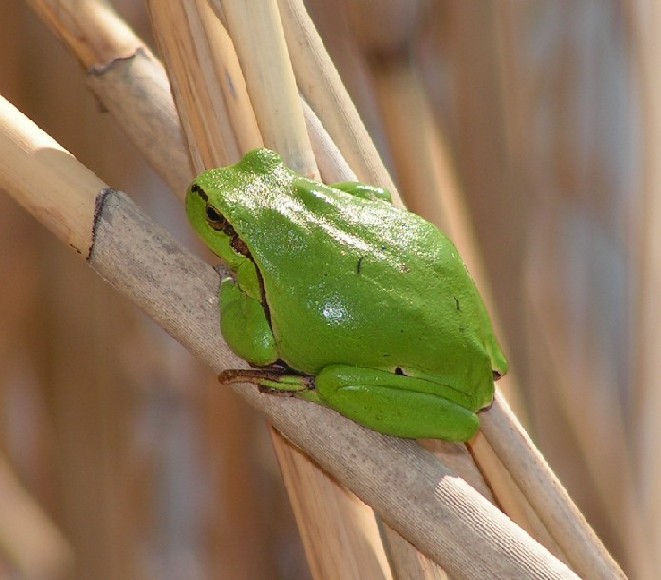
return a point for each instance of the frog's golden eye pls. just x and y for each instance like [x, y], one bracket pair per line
[214, 219]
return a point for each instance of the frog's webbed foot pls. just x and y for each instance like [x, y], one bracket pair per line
[275, 380]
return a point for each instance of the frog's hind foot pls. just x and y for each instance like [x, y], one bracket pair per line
[269, 380]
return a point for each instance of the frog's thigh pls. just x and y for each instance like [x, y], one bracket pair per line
[394, 408]
[244, 325]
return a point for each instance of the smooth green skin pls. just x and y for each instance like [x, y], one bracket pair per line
[345, 300]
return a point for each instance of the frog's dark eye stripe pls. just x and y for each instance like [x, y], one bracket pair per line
[197, 189]
[214, 219]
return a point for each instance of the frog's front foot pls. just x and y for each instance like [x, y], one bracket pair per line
[245, 326]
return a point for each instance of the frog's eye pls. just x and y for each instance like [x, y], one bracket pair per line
[214, 219]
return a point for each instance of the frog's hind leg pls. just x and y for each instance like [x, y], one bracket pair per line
[393, 404]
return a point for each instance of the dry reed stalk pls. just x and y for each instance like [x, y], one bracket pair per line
[328, 509]
[29, 152]
[30, 541]
[257, 34]
[322, 87]
[646, 557]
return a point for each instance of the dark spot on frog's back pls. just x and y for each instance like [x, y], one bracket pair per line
[359, 264]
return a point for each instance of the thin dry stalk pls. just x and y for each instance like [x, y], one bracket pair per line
[647, 358]
[26, 151]
[201, 93]
[30, 540]
[257, 34]
[322, 87]
[353, 522]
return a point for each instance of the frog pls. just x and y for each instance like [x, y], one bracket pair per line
[340, 298]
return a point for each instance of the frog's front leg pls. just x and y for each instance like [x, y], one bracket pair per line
[244, 325]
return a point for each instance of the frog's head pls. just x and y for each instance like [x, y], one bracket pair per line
[217, 196]
[209, 201]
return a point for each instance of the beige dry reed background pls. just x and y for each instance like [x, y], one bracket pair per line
[536, 122]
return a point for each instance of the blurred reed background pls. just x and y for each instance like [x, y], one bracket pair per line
[120, 453]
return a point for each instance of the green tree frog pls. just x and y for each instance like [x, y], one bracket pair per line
[340, 298]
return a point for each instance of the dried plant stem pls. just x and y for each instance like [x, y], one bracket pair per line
[547, 496]
[30, 541]
[257, 34]
[52, 169]
[351, 519]
[202, 94]
[320, 82]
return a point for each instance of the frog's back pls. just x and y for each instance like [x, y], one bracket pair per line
[359, 282]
